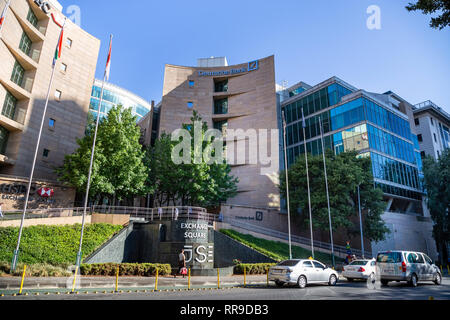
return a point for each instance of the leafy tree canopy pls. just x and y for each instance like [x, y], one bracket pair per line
[437, 185]
[432, 6]
[195, 183]
[118, 168]
[345, 172]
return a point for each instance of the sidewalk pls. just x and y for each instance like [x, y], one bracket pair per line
[8, 284]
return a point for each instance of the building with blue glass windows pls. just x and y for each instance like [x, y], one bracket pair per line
[114, 95]
[379, 126]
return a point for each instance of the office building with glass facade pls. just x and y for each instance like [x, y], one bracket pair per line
[379, 126]
[114, 95]
[27, 47]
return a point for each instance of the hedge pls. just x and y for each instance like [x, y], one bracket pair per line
[36, 270]
[253, 268]
[53, 245]
[125, 269]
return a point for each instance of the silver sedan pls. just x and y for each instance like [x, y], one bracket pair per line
[302, 273]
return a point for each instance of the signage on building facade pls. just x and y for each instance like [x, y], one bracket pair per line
[252, 66]
[202, 253]
[259, 216]
[16, 192]
[195, 230]
[44, 5]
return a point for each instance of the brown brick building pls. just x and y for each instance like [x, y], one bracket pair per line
[230, 98]
[27, 47]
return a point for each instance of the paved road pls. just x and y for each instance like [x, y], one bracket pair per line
[343, 291]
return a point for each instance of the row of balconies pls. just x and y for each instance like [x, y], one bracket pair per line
[27, 53]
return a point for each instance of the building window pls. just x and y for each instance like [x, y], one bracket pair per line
[31, 17]
[25, 44]
[221, 86]
[439, 155]
[46, 153]
[423, 154]
[221, 126]
[51, 123]
[435, 138]
[69, 42]
[17, 74]
[221, 106]
[420, 138]
[190, 104]
[58, 95]
[4, 134]
[417, 121]
[432, 122]
[191, 83]
[9, 106]
[63, 67]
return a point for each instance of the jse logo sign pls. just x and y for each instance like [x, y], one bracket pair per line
[202, 254]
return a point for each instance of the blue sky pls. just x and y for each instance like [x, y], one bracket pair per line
[312, 40]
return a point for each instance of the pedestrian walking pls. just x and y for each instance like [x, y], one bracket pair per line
[176, 214]
[181, 263]
[1, 212]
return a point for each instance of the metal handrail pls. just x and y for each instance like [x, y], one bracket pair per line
[294, 238]
[161, 213]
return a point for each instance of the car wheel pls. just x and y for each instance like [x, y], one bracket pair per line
[438, 279]
[302, 282]
[333, 280]
[279, 284]
[349, 279]
[413, 281]
[384, 282]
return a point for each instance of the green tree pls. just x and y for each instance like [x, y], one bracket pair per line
[437, 186]
[345, 172]
[118, 170]
[432, 6]
[194, 184]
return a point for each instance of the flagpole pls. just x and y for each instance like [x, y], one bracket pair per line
[86, 198]
[16, 252]
[307, 179]
[360, 220]
[287, 185]
[3, 17]
[328, 196]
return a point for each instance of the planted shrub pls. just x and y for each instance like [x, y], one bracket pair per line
[253, 268]
[36, 270]
[125, 269]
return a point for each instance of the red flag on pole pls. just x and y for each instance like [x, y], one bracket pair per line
[108, 61]
[3, 16]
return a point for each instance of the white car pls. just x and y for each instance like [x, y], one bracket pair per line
[360, 269]
[302, 273]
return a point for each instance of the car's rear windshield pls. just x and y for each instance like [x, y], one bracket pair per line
[359, 263]
[389, 257]
[288, 263]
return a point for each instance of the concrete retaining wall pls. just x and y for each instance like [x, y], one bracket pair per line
[228, 249]
[115, 250]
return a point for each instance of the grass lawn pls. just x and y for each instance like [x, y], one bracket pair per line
[277, 250]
